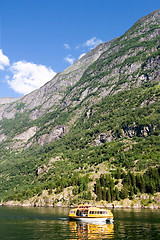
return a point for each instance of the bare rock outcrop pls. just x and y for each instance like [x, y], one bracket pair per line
[41, 170]
[129, 131]
[55, 133]
[25, 136]
[20, 141]
[5, 100]
[139, 131]
[2, 137]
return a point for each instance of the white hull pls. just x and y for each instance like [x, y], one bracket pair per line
[93, 219]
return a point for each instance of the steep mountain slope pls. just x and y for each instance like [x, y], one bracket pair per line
[102, 110]
[52, 92]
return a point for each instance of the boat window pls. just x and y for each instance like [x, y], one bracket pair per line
[98, 212]
[105, 212]
[91, 212]
[78, 212]
[72, 212]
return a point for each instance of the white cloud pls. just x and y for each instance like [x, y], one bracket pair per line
[82, 55]
[4, 61]
[28, 76]
[93, 42]
[7, 77]
[77, 47]
[70, 59]
[66, 46]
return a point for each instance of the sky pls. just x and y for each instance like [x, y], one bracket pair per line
[39, 38]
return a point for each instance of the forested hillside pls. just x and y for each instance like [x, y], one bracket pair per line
[93, 131]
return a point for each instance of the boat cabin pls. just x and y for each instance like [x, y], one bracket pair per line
[89, 211]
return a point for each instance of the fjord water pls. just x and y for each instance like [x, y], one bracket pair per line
[19, 223]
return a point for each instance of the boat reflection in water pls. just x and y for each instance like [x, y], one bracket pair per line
[87, 230]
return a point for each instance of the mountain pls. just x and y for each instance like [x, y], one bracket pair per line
[100, 114]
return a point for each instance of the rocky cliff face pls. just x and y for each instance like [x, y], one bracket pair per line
[6, 100]
[130, 61]
[50, 95]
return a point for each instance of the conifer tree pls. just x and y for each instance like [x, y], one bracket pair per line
[104, 194]
[98, 190]
[102, 180]
[124, 193]
[117, 194]
[131, 192]
[118, 174]
[108, 195]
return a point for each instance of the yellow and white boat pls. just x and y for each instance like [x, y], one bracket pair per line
[89, 213]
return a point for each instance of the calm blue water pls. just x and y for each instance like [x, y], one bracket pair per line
[18, 223]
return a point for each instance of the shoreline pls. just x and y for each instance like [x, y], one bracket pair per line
[127, 204]
[143, 201]
[67, 206]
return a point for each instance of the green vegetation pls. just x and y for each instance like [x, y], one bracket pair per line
[121, 185]
[20, 106]
[19, 124]
[114, 115]
[116, 124]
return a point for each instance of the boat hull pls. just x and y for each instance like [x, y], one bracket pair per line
[92, 219]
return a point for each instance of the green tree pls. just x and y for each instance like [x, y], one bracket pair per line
[117, 194]
[98, 190]
[124, 193]
[131, 192]
[104, 193]
[102, 180]
[118, 174]
[108, 195]
[140, 182]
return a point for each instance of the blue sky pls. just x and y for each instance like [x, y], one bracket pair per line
[40, 38]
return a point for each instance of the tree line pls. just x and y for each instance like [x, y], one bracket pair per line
[121, 185]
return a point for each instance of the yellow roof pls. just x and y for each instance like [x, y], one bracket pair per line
[91, 208]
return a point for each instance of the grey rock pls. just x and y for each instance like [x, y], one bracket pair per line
[56, 132]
